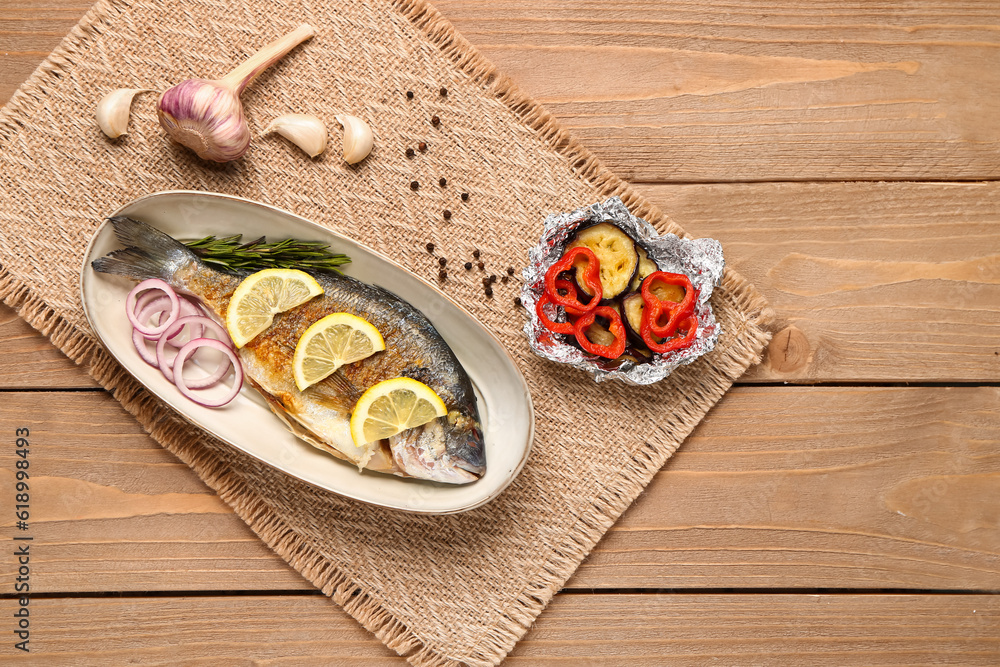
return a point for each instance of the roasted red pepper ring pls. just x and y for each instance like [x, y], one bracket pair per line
[557, 327]
[551, 325]
[591, 278]
[571, 293]
[673, 343]
[616, 327]
[654, 308]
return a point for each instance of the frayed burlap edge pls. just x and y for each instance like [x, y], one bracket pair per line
[184, 440]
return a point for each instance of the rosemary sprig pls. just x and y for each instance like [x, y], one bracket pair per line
[231, 254]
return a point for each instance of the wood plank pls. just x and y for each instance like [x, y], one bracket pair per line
[868, 281]
[779, 487]
[29, 30]
[689, 629]
[29, 359]
[749, 90]
[93, 470]
[849, 487]
[742, 91]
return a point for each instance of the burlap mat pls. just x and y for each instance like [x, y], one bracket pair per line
[439, 590]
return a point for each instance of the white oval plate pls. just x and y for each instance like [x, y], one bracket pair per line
[249, 425]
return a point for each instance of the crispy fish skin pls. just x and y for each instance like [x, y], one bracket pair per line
[449, 449]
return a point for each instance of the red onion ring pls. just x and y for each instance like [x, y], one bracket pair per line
[130, 303]
[138, 338]
[146, 298]
[146, 308]
[188, 308]
[146, 302]
[140, 346]
[187, 350]
[167, 365]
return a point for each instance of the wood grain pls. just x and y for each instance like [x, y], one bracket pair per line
[881, 281]
[779, 487]
[742, 91]
[750, 91]
[29, 30]
[806, 487]
[620, 630]
[29, 359]
[868, 281]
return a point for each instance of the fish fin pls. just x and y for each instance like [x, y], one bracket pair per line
[336, 391]
[148, 253]
[377, 459]
[296, 427]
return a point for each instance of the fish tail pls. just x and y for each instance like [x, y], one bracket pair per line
[148, 252]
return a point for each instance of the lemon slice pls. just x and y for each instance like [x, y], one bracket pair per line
[261, 295]
[335, 340]
[391, 407]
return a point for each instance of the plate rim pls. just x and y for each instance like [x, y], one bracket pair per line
[85, 269]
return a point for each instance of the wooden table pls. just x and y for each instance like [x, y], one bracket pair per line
[841, 505]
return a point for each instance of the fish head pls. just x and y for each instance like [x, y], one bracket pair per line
[449, 449]
[464, 442]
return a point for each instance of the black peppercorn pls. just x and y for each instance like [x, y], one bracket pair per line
[442, 275]
[409, 94]
[468, 266]
[442, 261]
[430, 247]
[475, 253]
[414, 185]
[447, 214]
[480, 265]
[422, 146]
[444, 92]
[465, 196]
[410, 152]
[486, 281]
[510, 270]
[493, 279]
[435, 121]
[443, 181]
[505, 279]
[489, 291]
[517, 301]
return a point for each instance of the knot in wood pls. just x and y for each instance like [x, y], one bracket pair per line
[788, 351]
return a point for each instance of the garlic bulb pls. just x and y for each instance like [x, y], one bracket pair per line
[307, 132]
[358, 139]
[113, 111]
[207, 116]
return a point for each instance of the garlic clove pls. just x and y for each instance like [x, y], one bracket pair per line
[307, 132]
[113, 111]
[358, 139]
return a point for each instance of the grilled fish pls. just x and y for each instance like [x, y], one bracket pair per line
[449, 449]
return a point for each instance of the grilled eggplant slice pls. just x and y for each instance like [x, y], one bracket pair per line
[646, 266]
[641, 353]
[615, 250]
[583, 296]
[598, 332]
[632, 307]
[632, 310]
[599, 335]
[665, 292]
